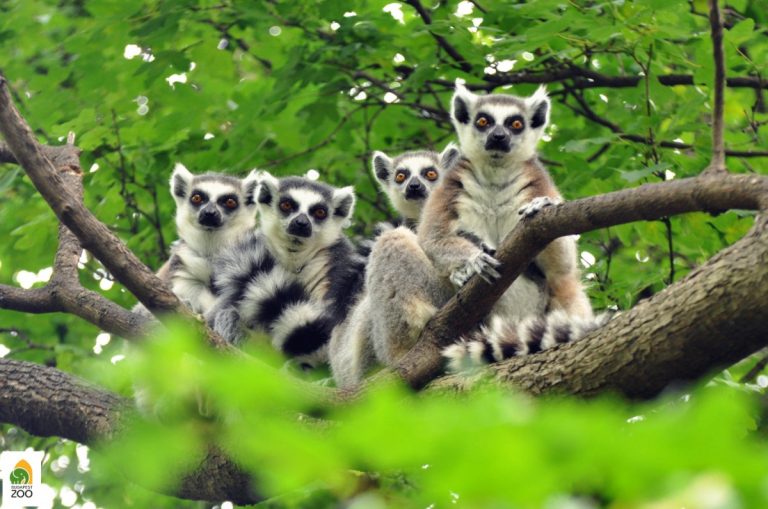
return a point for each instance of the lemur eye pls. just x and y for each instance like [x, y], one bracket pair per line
[286, 206]
[481, 122]
[196, 198]
[517, 124]
[231, 203]
[431, 175]
[400, 178]
[320, 213]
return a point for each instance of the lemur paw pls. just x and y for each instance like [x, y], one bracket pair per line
[482, 264]
[534, 206]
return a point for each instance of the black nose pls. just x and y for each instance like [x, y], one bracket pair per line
[498, 134]
[414, 184]
[300, 226]
[210, 218]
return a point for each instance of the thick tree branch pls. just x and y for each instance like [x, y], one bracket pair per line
[648, 202]
[92, 234]
[47, 402]
[717, 165]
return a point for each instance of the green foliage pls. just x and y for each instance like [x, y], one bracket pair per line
[289, 86]
[488, 448]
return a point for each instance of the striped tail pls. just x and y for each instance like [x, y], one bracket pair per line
[256, 293]
[501, 340]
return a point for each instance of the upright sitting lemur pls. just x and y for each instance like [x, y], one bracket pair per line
[407, 179]
[498, 181]
[213, 211]
[296, 277]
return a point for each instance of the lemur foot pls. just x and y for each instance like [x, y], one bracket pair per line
[482, 264]
[534, 206]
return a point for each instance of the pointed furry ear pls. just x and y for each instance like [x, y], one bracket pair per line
[539, 105]
[181, 181]
[343, 202]
[463, 99]
[381, 164]
[268, 188]
[250, 184]
[449, 156]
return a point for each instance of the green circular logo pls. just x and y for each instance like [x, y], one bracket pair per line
[19, 476]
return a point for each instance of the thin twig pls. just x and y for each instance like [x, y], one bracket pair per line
[455, 55]
[717, 164]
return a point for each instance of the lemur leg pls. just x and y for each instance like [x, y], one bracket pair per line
[558, 261]
[405, 291]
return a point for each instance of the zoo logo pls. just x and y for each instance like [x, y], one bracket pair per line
[22, 473]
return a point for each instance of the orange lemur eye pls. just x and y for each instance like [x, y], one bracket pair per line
[320, 213]
[400, 178]
[286, 206]
[231, 203]
[196, 198]
[431, 175]
[517, 124]
[481, 122]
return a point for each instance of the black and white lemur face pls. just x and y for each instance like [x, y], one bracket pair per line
[499, 129]
[211, 204]
[302, 214]
[409, 177]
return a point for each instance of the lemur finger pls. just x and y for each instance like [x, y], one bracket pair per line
[535, 205]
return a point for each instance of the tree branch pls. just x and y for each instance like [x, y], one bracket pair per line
[647, 202]
[455, 55]
[47, 402]
[92, 234]
[709, 320]
[717, 165]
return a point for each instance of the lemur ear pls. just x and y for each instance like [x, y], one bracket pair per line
[449, 156]
[250, 185]
[539, 105]
[181, 181]
[381, 164]
[463, 99]
[268, 187]
[343, 202]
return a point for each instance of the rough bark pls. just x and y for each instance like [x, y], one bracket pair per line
[47, 402]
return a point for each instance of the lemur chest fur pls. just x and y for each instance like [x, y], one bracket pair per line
[489, 210]
[191, 265]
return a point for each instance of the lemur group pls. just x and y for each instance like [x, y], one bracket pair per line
[321, 299]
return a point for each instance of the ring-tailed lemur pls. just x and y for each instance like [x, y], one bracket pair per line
[213, 211]
[498, 182]
[294, 278]
[407, 179]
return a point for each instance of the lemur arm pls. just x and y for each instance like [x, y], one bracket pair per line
[558, 260]
[453, 255]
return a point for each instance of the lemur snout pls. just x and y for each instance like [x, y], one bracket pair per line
[300, 226]
[209, 217]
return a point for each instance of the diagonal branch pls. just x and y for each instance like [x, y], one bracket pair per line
[709, 320]
[455, 55]
[92, 234]
[645, 203]
[717, 165]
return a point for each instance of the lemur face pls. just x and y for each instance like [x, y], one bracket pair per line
[409, 177]
[301, 213]
[497, 128]
[212, 202]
